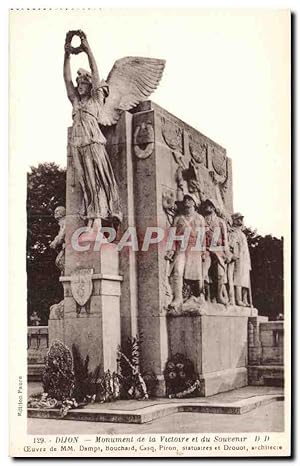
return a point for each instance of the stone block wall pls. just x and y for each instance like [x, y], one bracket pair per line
[265, 352]
[37, 348]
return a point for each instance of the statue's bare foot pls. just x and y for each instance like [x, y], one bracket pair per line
[240, 303]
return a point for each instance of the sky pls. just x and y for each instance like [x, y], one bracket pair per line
[227, 74]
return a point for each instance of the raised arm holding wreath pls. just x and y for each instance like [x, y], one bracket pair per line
[97, 102]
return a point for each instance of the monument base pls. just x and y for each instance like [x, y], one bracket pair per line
[215, 339]
[94, 326]
[223, 381]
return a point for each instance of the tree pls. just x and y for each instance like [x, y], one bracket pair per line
[46, 187]
[267, 273]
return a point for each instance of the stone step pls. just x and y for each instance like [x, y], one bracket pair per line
[155, 409]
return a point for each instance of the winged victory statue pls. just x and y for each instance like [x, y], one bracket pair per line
[97, 102]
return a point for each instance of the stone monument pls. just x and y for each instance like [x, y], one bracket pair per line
[138, 170]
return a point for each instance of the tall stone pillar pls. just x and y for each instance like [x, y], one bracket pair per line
[130, 145]
[147, 167]
[92, 288]
[119, 148]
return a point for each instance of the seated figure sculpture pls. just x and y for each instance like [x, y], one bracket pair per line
[240, 264]
[59, 240]
[186, 264]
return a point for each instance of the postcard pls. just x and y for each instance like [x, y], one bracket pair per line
[150, 241]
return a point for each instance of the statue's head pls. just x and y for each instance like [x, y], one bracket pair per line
[208, 207]
[237, 219]
[190, 200]
[59, 212]
[84, 82]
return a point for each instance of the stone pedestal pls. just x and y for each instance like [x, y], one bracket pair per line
[216, 341]
[95, 327]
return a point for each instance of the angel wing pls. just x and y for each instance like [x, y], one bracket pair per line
[131, 81]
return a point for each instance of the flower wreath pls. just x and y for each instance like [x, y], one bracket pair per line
[181, 378]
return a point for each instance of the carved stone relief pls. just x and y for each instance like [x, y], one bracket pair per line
[82, 287]
[172, 135]
[218, 160]
[143, 140]
[57, 311]
[168, 204]
[198, 152]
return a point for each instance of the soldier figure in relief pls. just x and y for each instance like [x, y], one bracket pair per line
[215, 266]
[186, 263]
[240, 264]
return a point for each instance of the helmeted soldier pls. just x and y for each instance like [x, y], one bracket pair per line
[186, 260]
[240, 264]
[216, 242]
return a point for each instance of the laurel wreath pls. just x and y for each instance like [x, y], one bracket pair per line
[69, 37]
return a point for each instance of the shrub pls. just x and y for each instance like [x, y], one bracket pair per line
[58, 377]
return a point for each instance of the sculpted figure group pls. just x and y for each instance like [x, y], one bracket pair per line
[214, 264]
[220, 271]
